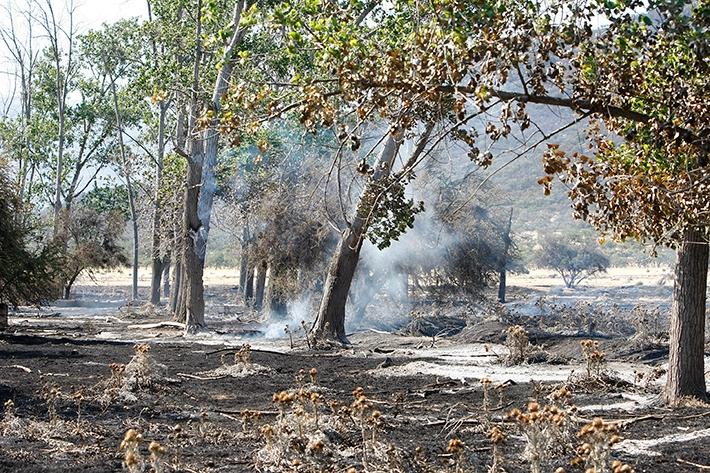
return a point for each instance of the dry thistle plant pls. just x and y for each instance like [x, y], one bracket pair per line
[140, 375]
[288, 331]
[243, 356]
[541, 428]
[130, 445]
[518, 344]
[594, 358]
[486, 384]
[11, 423]
[497, 438]
[50, 395]
[456, 449]
[157, 453]
[307, 426]
[306, 334]
[598, 438]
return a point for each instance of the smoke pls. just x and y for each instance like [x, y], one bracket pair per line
[300, 310]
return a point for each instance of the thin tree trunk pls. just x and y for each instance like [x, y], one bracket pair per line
[129, 186]
[181, 307]
[686, 361]
[249, 284]
[167, 263]
[157, 261]
[134, 221]
[243, 258]
[3, 316]
[330, 322]
[504, 260]
[175, 286]
[260, 285]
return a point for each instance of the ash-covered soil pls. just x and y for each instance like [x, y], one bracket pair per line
[65, 371]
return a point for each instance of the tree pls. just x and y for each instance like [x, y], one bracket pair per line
[574, 260]
[29, 266]
[113, 53]
[204, 131]
[63, 67]
[94, 230]
[643, 75]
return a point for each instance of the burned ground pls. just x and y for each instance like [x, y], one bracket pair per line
[426, 389]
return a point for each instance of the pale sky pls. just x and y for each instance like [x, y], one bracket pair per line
[90, 14]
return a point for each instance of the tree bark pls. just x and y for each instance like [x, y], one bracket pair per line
[686, 360]
[3, 316]
[243, 258]
[249, 284]
[175, 286]
[203, 160]
[157, 261]
[194, 259]
[502, 274]
[260, 285]
[330, 322]
[167, 263]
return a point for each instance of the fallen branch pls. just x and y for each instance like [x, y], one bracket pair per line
[627, 422]
[694, 416]
[201, 378]
[696, 465]
[459, 422]
[179, 325]
[20, 367]
[253, 350]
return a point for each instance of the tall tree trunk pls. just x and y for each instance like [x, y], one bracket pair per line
[194, 259]
[330, 322]
[198, 207]
[157, 261]
[502, 272]
[129, 187]
[686, 361]
[260, 285]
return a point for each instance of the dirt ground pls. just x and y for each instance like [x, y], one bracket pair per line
[55, 367]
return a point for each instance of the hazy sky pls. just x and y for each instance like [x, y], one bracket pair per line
[90, 14]
[93, 13]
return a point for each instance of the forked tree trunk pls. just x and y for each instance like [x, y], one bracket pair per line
[199, 205]
[686, 361]
[330, 322]
[260, 285]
